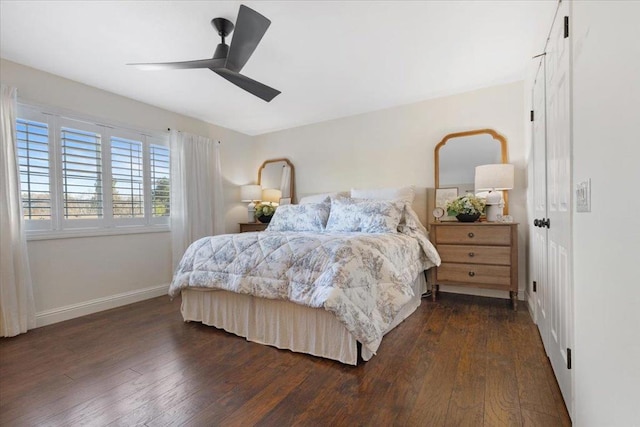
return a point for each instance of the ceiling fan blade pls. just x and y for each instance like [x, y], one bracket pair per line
[250, 27]
[256, 88]
[198, 63]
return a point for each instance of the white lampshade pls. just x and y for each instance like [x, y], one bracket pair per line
[271, 195]
[494, 177]
[250, 193]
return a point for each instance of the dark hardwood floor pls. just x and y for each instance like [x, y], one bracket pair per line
[461, 361]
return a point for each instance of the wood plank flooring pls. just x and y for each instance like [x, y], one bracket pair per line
[461, 361]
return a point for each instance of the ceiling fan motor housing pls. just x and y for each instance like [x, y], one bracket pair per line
[222, 50]
[224, 27]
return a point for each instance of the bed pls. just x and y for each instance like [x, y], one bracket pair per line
[324, 278]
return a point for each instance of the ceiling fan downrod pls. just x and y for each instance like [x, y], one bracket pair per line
[224, 27]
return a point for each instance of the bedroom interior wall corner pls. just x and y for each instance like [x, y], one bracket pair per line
[238, 158]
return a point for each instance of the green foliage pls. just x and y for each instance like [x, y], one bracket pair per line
[467, 204]
[160, 195]
[264, 209]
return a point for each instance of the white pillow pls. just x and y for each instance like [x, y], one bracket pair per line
[319, 198]
[406, 194]
[366, 216]
[307, 217]
[316, 198]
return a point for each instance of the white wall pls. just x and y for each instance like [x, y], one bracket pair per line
[606, 149]
[76, 276]
[395, 147]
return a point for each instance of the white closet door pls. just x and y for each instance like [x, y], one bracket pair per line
[539, 234]
[560, 288]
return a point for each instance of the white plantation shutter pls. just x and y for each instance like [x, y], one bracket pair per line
[33, 158]
[81, 174]
[127, 178]
[159, 168]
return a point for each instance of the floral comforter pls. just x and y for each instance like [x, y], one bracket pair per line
[362, 278]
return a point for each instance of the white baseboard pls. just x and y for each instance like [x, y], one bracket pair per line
[72, 311]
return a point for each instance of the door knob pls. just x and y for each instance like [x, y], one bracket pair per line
[536, 223]
[545, 223]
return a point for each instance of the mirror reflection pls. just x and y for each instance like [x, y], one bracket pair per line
[458, 154]
[278, 174]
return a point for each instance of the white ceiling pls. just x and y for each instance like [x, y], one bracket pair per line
[330, 59]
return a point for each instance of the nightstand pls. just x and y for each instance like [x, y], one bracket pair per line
[246, 227]
[479, 254]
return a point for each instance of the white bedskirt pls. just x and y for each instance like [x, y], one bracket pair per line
[283, 324]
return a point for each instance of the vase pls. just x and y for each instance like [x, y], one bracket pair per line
[468, 217]
[265, 219]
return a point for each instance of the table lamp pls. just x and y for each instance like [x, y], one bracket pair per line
[271, 195]
[494, 178]
[252, 194]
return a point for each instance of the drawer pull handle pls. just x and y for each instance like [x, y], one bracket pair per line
[471, 273]
[471, 235]
[471, 254]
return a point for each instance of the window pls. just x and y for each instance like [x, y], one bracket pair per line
[159, 166]
[81, 174]
[77, 175]
[33, 153]
[126, 178]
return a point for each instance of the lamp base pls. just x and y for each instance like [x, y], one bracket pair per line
[251, 212]
[493, 211]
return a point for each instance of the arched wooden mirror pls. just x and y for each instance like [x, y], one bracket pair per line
[458, 154]
[278, 174]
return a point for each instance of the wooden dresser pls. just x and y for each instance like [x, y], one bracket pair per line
[478, 254]
[252, 226]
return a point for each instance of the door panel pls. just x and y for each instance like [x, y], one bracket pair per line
[539, 235]
[559, 202]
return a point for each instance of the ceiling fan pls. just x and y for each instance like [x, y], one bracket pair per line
[228, 60]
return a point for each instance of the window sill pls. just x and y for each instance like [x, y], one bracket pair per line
[95, 232]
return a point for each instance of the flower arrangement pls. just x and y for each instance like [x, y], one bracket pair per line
[264, 211]
[466, 205]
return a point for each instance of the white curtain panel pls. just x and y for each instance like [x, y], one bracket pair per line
[17, 310]
[197, 202]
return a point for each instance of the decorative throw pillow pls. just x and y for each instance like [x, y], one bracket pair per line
[406, 194]
[307, 217]
[366, 216]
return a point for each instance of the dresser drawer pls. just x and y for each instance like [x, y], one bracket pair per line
[500, 255]
[247, 227]
[474, 274]
[474, 235]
